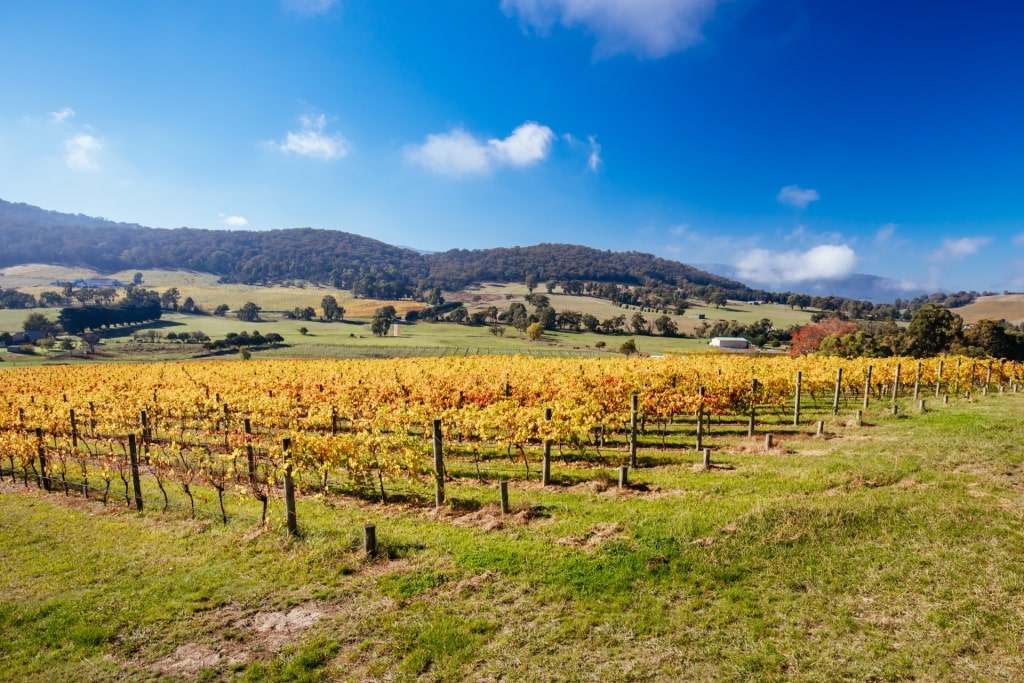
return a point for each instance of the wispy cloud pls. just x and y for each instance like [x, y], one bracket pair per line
[81, 152]
[648, 28]
[313, 140]
[233, 221]
[1018, 240]
[309, 8]
[885, 233]
[953, 249]
[796, 196]
[594, 161]
[59, 117]
[458, 153]
[824, 262]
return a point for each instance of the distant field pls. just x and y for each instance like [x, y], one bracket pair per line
[501, 295]
[1009, 307]
[353, 337]
[202, 287]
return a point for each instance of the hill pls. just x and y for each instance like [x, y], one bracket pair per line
[343, 260]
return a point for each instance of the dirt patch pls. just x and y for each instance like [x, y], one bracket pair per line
[238, 639]
[596, 536]
[490, 518]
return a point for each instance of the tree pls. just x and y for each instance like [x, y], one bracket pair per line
[531, 282]
[330, 307]
[221, 310]
[933, 330]
[628, 347]
[188, 306]
[638, 324]
[434, 297]
[137, 279]
[91, 339]
[666, 326]
[169, 299]
[990, 337]
[303, 331]
[808, 338]
[249, 312]
[383, 317]
[534, 331]
[37, 322]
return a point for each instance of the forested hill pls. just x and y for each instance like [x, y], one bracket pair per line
[344, 260]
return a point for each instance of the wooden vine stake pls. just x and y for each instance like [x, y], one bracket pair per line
[634, 401]
[839, 387]
[796, 398]
[289, 488]
[438, 465]
[700, 419]
[503, 494]
[867, 387]
[133, 461]
[44, 480]
[751, 423]
[545, 468]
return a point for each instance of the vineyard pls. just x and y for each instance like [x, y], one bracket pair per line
[266, 430]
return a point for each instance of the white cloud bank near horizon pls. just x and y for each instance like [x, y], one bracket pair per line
[647, 28]
[777, 268]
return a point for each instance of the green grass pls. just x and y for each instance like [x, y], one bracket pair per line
[884, 552]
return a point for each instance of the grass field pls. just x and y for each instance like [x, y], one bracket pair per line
[352, 338]
[1009, 307]
[884, 552]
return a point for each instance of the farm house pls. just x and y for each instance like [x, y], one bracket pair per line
[730, 343]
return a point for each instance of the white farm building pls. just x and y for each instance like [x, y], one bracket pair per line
[730, 343]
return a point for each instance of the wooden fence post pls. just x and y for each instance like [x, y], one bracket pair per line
[74, 428]
[623, 476]
[707, 458]
[133, 462]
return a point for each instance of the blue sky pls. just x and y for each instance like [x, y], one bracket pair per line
[791, 139]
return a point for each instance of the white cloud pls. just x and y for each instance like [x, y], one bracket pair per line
[794, 195]
[528, 144]
[824, 262]
[594, 161]
[312, 140]
[233, 221]
[649, 28]
[309, 8]
[63, 115]
[457, 153]
[959, 248]
[1018, 240]
[82, 150]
